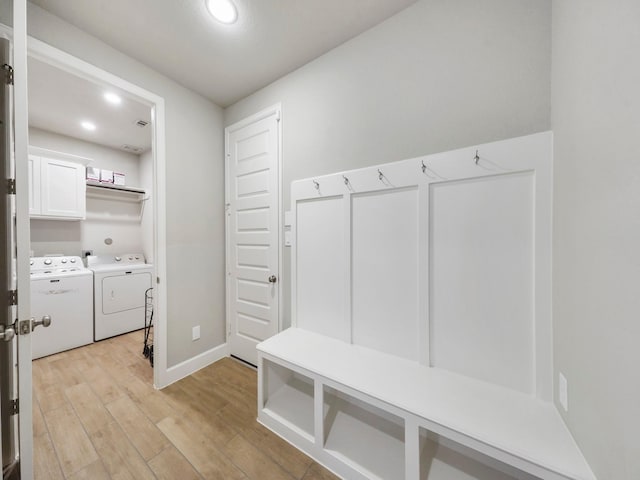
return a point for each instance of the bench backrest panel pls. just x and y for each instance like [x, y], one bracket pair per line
[441, 259]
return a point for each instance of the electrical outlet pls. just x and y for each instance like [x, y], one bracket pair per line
[563, 392]
[195, 333]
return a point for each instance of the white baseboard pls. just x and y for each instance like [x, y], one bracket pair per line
[186, 368]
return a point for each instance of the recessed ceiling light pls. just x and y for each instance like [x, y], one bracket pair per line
[112, 98]
[222, 10]
[88, 125]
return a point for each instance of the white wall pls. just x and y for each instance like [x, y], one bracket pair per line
[596, 124]
[195, 188]
[437, 76]
[112, 219]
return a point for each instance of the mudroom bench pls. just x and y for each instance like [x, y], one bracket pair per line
[421, 341]
[365, 414]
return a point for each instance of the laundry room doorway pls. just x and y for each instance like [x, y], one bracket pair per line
[97, 211]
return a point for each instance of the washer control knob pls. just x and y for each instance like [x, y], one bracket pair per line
[118, 259]
[31, 262]
[47, 261]
[73, 260]
[64, 260]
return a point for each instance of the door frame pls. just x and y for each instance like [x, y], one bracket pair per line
[256, 117]
[53, 56]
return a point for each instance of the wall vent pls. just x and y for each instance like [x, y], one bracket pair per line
[132, 148]
[142, 123]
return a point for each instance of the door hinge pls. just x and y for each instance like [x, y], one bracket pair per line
[13, 297]
[8, 73]
[158, 280]
[11, 186]
[14, 406]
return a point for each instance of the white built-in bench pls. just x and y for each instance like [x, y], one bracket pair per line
[421, 345]
[305, 375]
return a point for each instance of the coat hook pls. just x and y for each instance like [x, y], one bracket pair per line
[346, 180]
[380, 175]
[317, 185]
[424, 167]
[477, 157]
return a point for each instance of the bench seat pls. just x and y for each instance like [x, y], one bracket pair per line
[514, 428]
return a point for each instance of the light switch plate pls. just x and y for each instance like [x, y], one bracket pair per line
[195, 333]
[287, 238]
[287, 218]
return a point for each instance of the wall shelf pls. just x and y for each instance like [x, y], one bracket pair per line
[117, 188]
[116, 193]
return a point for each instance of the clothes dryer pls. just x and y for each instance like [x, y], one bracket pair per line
[119, 283]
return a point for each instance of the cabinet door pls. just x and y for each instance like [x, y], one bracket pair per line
[34, 185]
[63, 189]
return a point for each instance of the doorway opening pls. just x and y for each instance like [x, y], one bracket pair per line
[106, 222]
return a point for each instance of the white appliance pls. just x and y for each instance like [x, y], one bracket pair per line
[62, 288]
[119, 284]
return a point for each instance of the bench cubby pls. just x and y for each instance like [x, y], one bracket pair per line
[289, 398]
[369, 439]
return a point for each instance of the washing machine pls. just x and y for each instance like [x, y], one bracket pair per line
[119, 284]
[62, 288]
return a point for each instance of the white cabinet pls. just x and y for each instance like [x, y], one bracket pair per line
[56, 189]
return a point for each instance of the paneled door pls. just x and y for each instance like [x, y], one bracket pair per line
[253, 225]
[16, 431]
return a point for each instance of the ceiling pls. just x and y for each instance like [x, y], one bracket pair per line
[224, 63]
[60, 101]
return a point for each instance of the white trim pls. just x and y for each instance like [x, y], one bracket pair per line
[160, 372]
[45, 152]
[261, 115]
[192, 365]
[57, 58]
[256, 117]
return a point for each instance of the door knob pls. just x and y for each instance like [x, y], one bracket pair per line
[7, 333]
[273, 279]
[45, 322]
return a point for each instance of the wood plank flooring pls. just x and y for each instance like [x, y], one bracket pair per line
[97, 416]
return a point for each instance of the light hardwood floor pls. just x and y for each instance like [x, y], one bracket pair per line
[96, 416]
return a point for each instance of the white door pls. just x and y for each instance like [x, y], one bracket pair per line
[252, 192]
[15, 388]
